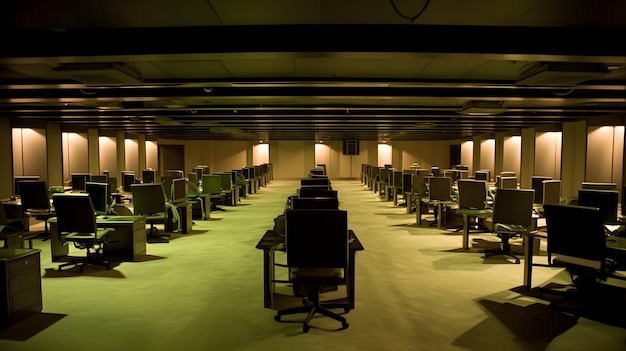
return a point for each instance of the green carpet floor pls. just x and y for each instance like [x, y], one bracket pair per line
[415, 290]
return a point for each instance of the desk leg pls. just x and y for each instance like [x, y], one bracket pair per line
[465, 232]
[439, 211]
[418, 210]
[528, 261]
[350, 282]
[408, 199]
[268, 278]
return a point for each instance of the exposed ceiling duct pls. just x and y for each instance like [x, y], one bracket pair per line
[560, 73]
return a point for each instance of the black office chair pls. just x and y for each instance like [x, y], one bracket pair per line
[512, 217]
[76, 223]
[35, 201]
[149, 200]
[317, 255]
[577, 241]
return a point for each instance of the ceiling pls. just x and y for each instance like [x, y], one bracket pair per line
[312, 69]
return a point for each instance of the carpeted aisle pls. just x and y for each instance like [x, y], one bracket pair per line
[203, 291]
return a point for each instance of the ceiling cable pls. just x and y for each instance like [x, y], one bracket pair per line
[412, 18]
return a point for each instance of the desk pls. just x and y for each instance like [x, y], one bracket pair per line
[439, 208]
[21, 296]
[269, 243]
[128, 240]
[467, 213]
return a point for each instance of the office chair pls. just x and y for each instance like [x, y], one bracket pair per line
[316, 242]
[149, 200]
[76, 223]
[35, 201]
[577, 241]
[512, 217]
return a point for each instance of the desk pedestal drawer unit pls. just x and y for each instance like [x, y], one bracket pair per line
[20, 273]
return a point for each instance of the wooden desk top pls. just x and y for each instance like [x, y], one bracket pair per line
[270, 240]
[12, 254]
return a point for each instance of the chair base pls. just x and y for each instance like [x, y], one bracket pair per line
[313, 309]
[506, 253]
[82, 262]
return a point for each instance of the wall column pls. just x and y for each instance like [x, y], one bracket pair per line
[499, 154]
[573, 157]
[141, 151]
[54, 154]
[93, 156]
[527, 164]
[475, 154]
[120, 142]
[6, 158]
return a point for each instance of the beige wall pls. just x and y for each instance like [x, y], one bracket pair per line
[29, 152]
[108, 154]
[605, 147]
[467, 155]
[512, 154]
[292, 159]
[487, 156]
[548, 154]
[75, 154]
[424, 153]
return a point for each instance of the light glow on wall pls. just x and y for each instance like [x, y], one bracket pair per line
[384, 155]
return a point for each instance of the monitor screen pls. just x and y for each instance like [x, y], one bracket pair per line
[605, 200]
[128, 179]
[175, 173]
[17, 179]
[148, 176]
[537, 186]
[179, 190]
[79, 180]
[100, 196]
[193, 177]
[100, 178]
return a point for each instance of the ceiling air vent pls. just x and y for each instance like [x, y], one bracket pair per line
[560, 73]
[100, 74]
[482, 108]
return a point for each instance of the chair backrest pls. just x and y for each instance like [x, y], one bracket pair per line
[211, 184]
[440, 189]
[576, 231]
[513, 206]
[148, 198]
[606, 200]
[472, 194]
[316, 192]
[75, 213]
[316, 238]
[34, 195]
[314, 202]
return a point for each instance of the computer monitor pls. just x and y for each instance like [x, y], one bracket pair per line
[128, 178]
[537, 186]
[193, 177]
[605, 200]
[225, 181]
[99, 178]
[100, 196]
[148, 176]
[112, 184]
[551, 192]
[17, 179]
[200, 170]
[175, 173]
[599, 186]
[298, 203]
[79, 180]
[482, 175]
[179, 190]
[435, 171]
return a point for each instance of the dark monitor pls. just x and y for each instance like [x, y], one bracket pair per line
[599, 186]
[148, 199]
[17, 179]
[79, 180]
[179, 190]
[200, 170]
[225, 182]
[167, 182]
[112, 184]
[537, 186]
[128, 178]
[315, 192]
[323, 182]
[472, 194]
[193, 177]
[317, 171]
[605, 200]
[568, 224]
[482, 175]
[250, 174]
[100, 196]
[99, 178]
[435, 171]
[148, 176]
[330, 203]
[175, 173]
[233, 177]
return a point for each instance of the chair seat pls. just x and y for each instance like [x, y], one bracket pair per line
[75, 236]
[577, 261]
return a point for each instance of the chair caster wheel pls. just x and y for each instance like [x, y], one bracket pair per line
[305, 328]
[277, 318]
[345, 325]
